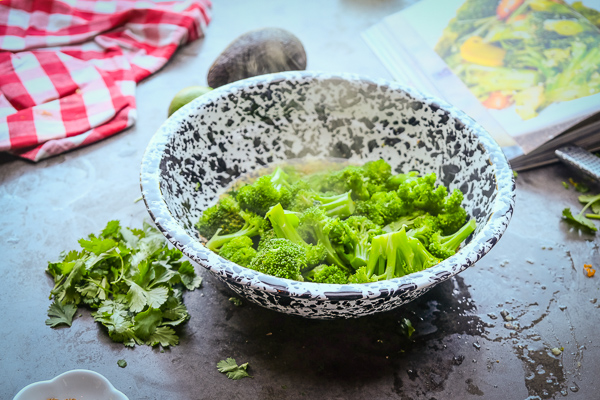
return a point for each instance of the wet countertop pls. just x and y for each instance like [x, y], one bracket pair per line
[485, 334]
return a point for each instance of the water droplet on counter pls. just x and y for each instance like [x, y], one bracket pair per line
[457, 360]
[477, 346]
[574, 388]
[492, 315]
[562, 307]
[564, 392]
[12, 240]
[593, 301]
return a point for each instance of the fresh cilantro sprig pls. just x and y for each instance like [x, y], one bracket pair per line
[232, 370]
[132, 280]
[581, 220]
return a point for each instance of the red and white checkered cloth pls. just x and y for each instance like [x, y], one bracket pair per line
[68, 68]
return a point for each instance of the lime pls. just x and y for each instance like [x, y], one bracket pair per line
[186, 95]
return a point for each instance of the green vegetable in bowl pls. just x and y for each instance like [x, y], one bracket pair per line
[355, 224]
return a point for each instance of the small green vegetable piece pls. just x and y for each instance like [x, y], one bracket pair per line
[327, 274]
[395, 254]
[445, 246]
[281, 258]
[252, 226]
[265, 192]
[224, 217]
[407, 327]
[122, 363]
[236, 301]
[60, 314]
[239, 250]
[232, 370]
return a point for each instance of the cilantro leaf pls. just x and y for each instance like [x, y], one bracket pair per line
[60, 314]
[579, 221]
[232, 370]
[97, 246]
[588, 198]
[188, 276]
[163, 335]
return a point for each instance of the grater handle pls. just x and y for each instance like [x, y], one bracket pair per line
[580, 159]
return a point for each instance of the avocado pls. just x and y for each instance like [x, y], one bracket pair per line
[257, 52]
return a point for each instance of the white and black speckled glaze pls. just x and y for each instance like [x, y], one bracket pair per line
[267, 119]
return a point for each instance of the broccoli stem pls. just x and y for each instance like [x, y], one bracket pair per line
[453, 241]
[217, 241]
[284, 224]
[341, 206]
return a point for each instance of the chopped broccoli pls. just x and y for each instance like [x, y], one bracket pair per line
[395, 254]
[382, 208]
[327, 274]
[252, 226]
[422, 194]
[225, 215]
[238, 250]
[452, 216]
[395, 181]
[352, 239]
[281, 258]
[446, 246]
[361, 276]
[319, 224]
[265, 192]
[362, 181]
[338, 205]
[284, 225]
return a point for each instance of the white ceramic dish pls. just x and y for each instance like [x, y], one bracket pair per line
[77, 384]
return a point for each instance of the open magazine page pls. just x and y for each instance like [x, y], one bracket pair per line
[526, 75]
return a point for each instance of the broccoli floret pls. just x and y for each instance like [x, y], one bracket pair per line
[395, 254]
[361, 276]
[406, 221]
[239, 250]
[394, 181]
[284, 225]
[265, 192]
[252, 227]
[225, 215]
[445, 246]
[339, 205]
[453, 216]
[326, 274]
[382, 208]
[319, 224]
[352, 239]
[422, 194]
[424, 228]
[281, 258]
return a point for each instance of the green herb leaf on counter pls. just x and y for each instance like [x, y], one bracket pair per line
[60, 314]
[565, 184]
[236, 301]
[232, 370]
[122, 363]
[407, 327]
[588, 198]
[579, 220]
[132, 280]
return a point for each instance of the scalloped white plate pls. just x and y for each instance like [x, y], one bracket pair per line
[77, 384]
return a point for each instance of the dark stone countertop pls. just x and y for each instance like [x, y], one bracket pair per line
[486, 334]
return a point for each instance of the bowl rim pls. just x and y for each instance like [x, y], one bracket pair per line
[74, 373]
[472, 252]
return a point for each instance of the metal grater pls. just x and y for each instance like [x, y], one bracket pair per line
[580, 159]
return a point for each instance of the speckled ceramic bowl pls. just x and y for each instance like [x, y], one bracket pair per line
[248, 124]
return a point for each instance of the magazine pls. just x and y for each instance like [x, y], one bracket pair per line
[527, 70]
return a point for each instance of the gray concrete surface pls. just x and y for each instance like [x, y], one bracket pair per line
[463, 348]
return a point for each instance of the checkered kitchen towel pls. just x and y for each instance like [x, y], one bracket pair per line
[68, 68]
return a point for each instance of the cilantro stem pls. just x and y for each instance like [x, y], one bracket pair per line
[592, 216]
